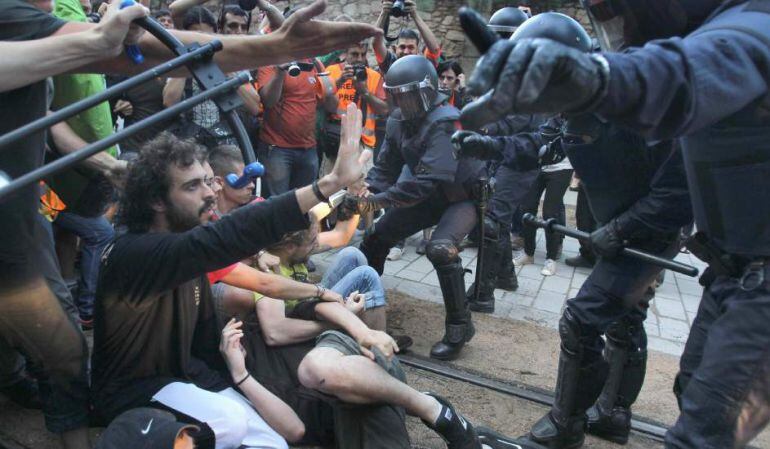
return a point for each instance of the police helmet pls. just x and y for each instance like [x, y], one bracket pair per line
[555, 26]
[505, 21]
[412, 82]
[627, 23]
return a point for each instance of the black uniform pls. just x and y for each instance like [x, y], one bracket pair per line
[422, 184]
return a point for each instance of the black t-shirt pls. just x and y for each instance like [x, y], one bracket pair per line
[154, 314]
[19, 22]
[146, 99]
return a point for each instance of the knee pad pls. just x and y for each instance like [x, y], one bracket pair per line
[441, 252]
[570, 333]
[628, 333]
[490, 228]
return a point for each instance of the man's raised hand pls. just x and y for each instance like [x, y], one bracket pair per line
[117, 29]
[349, 167]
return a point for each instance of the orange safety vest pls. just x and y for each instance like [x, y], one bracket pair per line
[346, 93]
[50, 203]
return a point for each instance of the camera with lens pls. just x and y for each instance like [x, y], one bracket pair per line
[398, 9]
[359, 72]
[294, 68]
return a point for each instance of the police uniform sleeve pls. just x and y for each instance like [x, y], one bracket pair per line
[666, 208]
[674, 87]
[388, 165]
[436, 165]
[20, 21]
[522, 151]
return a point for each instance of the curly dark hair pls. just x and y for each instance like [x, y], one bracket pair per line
[148, 179]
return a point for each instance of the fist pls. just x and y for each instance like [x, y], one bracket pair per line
[474, 145]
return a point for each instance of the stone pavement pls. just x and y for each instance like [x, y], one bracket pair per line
[540, 299]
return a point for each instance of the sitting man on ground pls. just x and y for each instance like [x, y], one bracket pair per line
[155, 336]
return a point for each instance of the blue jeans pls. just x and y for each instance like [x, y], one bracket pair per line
[95, 233]
[349, 272]
[288, 168]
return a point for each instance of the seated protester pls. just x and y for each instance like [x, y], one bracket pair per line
[155, 337]
[408, 40]
[449, 83]
[203, 121]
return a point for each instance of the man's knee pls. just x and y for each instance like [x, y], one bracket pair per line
[441, 252]
[316, 370]
[572, 333]
[353, 254]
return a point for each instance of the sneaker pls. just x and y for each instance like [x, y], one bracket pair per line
[395, 253]
[421, 247]
[495, 440]
[454, 429]
[523, 259]
[549, 268]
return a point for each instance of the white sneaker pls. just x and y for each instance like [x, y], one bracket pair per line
[395, 253]
[523, 259]
[549, 268]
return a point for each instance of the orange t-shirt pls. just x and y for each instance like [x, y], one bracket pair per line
[290, 123]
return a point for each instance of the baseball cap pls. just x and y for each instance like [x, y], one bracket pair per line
[142, 428]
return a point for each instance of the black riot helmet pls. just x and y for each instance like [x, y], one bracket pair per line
[621, 24]
[505, 21]
[412, 82]
[555, 26]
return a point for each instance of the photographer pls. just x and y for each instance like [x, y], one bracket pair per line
[408, 40]
[291, 94]
[354, 83]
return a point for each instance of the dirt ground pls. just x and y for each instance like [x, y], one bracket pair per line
[504, 350]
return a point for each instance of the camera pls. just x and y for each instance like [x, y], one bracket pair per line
[398, 9]
[359, 72]
[293, 70]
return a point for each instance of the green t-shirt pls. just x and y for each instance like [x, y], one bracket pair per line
[297, 272]
[95, 123]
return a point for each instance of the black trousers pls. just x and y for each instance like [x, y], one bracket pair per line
[511, 187]
[585, 221]
[453, 221]
[724, 381]
[554, 184]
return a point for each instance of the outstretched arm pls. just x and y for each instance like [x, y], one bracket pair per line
[431, 42]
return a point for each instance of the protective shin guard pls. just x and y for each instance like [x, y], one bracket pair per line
[506, 276]
[488, 276]
[578, 384]
[459, 327]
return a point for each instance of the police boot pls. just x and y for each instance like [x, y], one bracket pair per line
[610, 417]
[506, 275]
[376, 251]
[488, 278]
[578, 383]
[459, 327]
[495, 440]
[454, 429]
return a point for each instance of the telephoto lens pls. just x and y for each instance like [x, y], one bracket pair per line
[293, 69]
[398, 9]
[360, 72]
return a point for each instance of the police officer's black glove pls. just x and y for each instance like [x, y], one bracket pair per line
[534, 76]
[606, 241]
[552, 153]
[364, 205]
[477, 146]
[347, 208]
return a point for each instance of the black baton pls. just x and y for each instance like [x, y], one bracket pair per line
[651, 259]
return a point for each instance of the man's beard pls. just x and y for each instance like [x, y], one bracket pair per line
[181, 220]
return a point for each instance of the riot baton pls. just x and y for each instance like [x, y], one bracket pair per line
[485, 193]
[553, 226]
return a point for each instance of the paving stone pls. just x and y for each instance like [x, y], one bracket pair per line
[519, 299]
[573, 292]
[408, 273]
[674, 329]
[410, 256]
[431, 279]
[651, 328]
[689, 287]
[549, 301]
[502, 309]
[571, 245]
[420, 291]
[421, 265]
[540, 317]
[531, 271]
[669, 308]
[667, 289]
[583, 270]
[394, 266]
[556, 284]
[578, 279]
[564, 271]
[691, 303]
[528, 287]
[390, 282]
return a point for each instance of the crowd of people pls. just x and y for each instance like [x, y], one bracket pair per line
[194, 273]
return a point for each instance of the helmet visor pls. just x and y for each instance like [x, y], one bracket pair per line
[414, 99]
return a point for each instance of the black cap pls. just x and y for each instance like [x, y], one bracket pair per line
[142, 428]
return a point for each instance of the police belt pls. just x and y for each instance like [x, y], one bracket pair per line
[751, 271]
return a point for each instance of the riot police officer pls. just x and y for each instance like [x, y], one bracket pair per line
[420, 183]
[505, 21]
[640, 196]
[703, 77]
